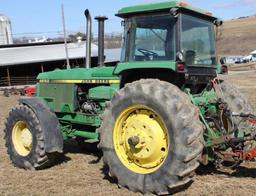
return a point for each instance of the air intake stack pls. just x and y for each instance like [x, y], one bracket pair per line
[88, 38]
[101, 22]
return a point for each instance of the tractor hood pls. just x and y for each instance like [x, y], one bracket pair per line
[99, 73]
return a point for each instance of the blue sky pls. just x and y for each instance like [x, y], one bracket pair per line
[29, 16]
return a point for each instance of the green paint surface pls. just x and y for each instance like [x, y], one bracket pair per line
[80, 118]
[154, 7]
[80, 74]
[145, 65]
[102, 92]
[59, 97]
[218, 68]
[68, 133]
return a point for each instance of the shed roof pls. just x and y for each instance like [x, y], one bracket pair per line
[46, 53]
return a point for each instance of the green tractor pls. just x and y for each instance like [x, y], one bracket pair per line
[157, 115]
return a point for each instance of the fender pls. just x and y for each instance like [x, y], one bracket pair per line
[49, 123]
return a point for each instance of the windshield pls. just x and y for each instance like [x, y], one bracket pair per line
[149, 38]
[198, 41]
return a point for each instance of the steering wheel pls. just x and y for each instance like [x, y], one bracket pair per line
[148, 53]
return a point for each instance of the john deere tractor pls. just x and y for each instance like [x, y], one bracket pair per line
[157, 115]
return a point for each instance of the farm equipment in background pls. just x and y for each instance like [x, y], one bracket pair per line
[29, 91]
[156, 115]
[13, 91]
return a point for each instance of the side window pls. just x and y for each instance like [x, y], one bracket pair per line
[197, 41]
[151, 40]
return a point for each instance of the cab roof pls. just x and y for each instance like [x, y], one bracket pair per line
[160, 7]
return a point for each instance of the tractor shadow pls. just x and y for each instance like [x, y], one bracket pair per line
[59, 159]
[76, 147]
[240, 171]
[105, 172]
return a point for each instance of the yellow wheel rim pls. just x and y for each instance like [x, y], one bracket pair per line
[22, 138]
[141, 139]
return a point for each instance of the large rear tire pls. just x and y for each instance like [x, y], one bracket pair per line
[238, 103]
[24, 140]
[151, 137]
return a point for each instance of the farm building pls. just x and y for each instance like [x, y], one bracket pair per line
[20, 64]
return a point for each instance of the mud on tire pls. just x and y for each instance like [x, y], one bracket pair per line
[185, 132]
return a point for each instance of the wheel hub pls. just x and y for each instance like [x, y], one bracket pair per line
[26, 138]
[141, 139]
[133, 141]
[22, 138]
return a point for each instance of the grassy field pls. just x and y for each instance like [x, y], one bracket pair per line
[237, 37]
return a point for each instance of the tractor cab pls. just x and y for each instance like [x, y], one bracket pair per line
[173, 34]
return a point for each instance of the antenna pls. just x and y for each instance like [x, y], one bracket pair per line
[65, 35]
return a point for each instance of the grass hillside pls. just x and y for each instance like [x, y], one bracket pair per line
[237, 37]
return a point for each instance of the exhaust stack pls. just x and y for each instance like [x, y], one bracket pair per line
[101, 57]
[88, 38]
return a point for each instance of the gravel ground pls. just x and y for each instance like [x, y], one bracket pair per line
[82, 173]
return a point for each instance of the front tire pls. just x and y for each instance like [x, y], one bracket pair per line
[151, 137]
[24, 140]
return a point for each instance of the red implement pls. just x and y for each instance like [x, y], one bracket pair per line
[30, 91]
[252, 120]
[243, 156]
[250, 155]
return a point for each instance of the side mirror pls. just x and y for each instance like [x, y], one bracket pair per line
[223, 60]
[218, 22]
[180, 57]
[174, 12]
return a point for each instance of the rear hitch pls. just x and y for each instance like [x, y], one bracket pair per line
[240, 155]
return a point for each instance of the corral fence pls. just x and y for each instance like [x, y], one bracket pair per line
[15, 81]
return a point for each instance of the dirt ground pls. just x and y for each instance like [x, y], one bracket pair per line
[81, 173]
